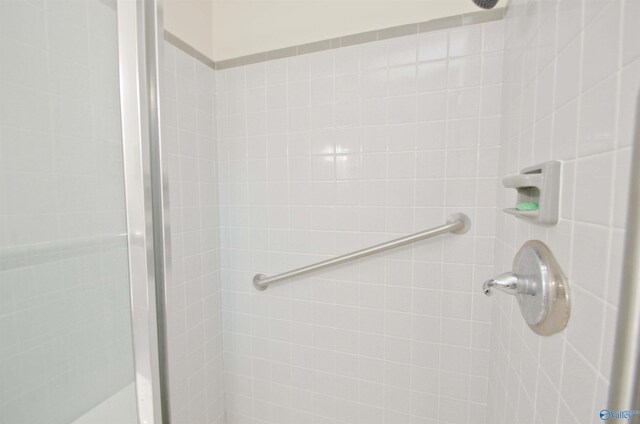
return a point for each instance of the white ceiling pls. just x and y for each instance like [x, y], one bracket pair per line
[224, 29]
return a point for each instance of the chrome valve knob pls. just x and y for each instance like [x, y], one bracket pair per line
[510, 283]
[507, 283]
[540, 287]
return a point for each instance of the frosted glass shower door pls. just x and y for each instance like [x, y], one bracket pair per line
[65, 315]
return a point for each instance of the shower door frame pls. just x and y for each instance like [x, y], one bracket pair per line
[146, 192]
[624, 387]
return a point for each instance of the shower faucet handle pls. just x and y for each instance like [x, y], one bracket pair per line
[539, 286]
[510, 283]
[506, 282]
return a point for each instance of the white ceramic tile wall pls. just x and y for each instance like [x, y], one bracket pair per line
[65, 330]
[194, 315]
[328, 152]
[571, 80]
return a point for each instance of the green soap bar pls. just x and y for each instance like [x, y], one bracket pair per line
[527, 206]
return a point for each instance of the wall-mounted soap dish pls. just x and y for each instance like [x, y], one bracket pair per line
[538, 193]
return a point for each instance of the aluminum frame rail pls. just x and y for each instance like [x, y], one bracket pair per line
[624, 386]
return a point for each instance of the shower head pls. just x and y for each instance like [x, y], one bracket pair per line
[486, 4]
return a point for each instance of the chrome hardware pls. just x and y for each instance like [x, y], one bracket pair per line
[507, 283]
[458, 223]
[539, 286]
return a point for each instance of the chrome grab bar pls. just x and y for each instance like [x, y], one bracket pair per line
[457, 223]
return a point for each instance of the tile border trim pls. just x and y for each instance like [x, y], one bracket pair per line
[348, 40]
[188, 49]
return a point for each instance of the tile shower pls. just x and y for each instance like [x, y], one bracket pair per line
[281, 163]
[327, 152]
[569, 94]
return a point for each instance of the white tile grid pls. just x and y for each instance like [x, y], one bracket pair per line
[328, 152]
[194, 316]
[571, 77]
[65, 317]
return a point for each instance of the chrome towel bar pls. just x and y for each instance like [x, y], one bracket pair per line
[457, 223]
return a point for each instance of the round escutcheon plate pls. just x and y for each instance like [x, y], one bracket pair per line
[545, 306]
